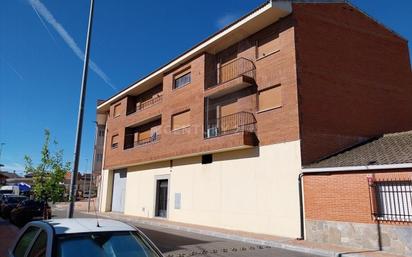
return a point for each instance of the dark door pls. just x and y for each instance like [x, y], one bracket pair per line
[161, 197]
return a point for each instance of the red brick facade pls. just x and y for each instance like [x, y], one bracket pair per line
[354, 76]
[345, 196]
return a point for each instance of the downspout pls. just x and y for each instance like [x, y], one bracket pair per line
[301, 208]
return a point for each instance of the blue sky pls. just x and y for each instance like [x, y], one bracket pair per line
[40, 68]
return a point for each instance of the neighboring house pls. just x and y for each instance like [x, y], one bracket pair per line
[99, 142]
[362, 197]
[219, 135]
[5, 176]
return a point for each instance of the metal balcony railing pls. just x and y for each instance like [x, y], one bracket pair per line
[152, 139]
[234, 69]
[230, 124]
[148, 103]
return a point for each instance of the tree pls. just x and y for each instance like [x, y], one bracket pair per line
[48, 175]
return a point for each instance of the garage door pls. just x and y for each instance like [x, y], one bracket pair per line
[119, 190]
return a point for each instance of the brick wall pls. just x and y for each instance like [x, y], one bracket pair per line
[343, 197]
[354, 77]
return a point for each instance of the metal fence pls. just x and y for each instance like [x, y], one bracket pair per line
[148, 103]
[233, 123]
[392, 200]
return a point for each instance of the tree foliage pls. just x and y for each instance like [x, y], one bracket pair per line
[48, 175]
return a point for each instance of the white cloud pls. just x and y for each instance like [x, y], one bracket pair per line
[41, 9]
[225, 20]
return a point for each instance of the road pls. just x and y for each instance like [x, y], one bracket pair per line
[174, 243]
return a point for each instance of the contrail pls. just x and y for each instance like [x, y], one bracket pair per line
[12, 68]
[46, 14]
[44, 25]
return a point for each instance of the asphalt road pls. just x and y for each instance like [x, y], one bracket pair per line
[174, 243]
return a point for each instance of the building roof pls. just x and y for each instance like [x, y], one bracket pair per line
[9, 174]
[388, 149]
[74, 226]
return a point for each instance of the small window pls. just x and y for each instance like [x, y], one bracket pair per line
[268, 45]
[115, 141]
[116, 110]
[40, 246]
[207, 158]
[101, 132]
[181, 120]
[182, 80]
[25, 241]
[99, 157]
[270, 98]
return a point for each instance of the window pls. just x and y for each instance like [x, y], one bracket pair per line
[39, 246]
[25, 241]
[207, 158]
[268, 46]
[99, 157]
[101, 132]
[116, 110]
[115, 141]
[182, 80]
[393, 200]
[181, 120]
[270, 98]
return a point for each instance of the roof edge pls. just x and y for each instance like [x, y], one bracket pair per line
[358, 168]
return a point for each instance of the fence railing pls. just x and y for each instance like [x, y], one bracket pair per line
[233, 123]
[236, 68]
[392, 200]
[148, 103]
[152, 139]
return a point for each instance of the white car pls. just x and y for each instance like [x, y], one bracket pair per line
[82, 238]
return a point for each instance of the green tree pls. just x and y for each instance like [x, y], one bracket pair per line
[48, 175]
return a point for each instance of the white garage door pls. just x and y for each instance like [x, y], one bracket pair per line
[119, 190]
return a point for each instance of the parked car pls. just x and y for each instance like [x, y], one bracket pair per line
[10, 190]
[29, 210]
[8, 203]
[82, 238]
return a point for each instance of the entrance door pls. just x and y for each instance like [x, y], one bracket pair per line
[161, 197]
[119, 190]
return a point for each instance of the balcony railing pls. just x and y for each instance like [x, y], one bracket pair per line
[146, 104]
[145, 141]
[230, 124]
[236, 68]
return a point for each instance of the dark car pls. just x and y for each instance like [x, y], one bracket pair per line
[29, 210]
[8, 203]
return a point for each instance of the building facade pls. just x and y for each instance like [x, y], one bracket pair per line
[218, 136]
[362, 197]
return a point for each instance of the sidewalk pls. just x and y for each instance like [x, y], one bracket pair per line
[303, 246]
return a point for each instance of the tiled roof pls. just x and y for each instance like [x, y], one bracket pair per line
[393, 148]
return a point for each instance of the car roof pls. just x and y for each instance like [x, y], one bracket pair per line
[87, 225]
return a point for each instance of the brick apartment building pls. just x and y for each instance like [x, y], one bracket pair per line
[219, 135]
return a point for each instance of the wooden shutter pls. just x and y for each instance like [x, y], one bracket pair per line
[144, 135]
[268, 45]
[228, 109]
[181, 120]
[270, 98]
[116, 110]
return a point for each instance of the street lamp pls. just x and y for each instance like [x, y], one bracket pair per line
[80, 115]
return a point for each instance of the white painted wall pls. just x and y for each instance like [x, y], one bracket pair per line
[252, 190]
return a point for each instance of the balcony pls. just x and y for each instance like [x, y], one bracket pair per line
[144, 100]
[142, 134]
[231, 124]
[233, 76]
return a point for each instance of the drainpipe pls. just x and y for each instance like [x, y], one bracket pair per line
[301, 208]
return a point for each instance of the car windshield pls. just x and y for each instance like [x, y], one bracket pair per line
[104, 244]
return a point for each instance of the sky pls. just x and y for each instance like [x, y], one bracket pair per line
[42, 44]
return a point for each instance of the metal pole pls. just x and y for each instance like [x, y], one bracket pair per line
[96, 134]
[73, 183]
[90, 190]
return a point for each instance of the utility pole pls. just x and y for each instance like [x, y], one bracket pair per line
[73, 184]
[1, 150]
